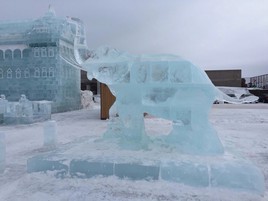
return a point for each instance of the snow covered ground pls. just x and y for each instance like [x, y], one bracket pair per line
[243, 129]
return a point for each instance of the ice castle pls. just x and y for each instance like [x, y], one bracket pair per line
[41, 58]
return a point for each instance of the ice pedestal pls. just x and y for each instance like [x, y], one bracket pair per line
[43, 163]
[88, 158]
[50, 134]
[87, 169]
[235, 175]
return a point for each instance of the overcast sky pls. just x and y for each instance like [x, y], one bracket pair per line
[213, 34]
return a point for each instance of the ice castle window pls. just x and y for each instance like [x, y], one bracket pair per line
[17, 54]
[36, 52]
[9, 73]
[26, 73]
[1, 55]
[67, 73]
[1, 74]
[42, 30]
[44, 72]
[25, 53]
[51, 72]
[82, 41]
[50, 52]
[18, 73]
[160, 73]
[8, 54]
[61, 50]
[36, 72]
[43, 52]
[64, 50]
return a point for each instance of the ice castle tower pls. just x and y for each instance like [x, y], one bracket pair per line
[41, 58]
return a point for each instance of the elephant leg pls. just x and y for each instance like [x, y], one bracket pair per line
[194, 134]
[133, 129]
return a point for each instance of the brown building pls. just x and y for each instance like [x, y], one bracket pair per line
[228, 78]
[260, 81]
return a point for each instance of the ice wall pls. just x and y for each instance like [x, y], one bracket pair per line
[166, 86]
[2, 152]
[23, 111]
[40, 58]
[50, 134]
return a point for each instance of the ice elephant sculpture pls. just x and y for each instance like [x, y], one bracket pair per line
[162, 85]
[165, 86]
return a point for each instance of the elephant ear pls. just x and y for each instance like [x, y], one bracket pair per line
[106, 53]
[108, 65]
[113, 73]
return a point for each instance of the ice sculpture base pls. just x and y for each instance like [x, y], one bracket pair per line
[87, 159]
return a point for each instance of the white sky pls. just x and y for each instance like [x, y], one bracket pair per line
[213, 34]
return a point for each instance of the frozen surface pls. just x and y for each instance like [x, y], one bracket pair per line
[165, 86]
[241, 128]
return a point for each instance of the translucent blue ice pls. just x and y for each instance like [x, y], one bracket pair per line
[50, 134]
[2, 152]
[41, 58]
[172, 88]
[165, 86]
[24, 111]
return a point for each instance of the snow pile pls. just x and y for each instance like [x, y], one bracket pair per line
[235, 95]
[87, 99]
